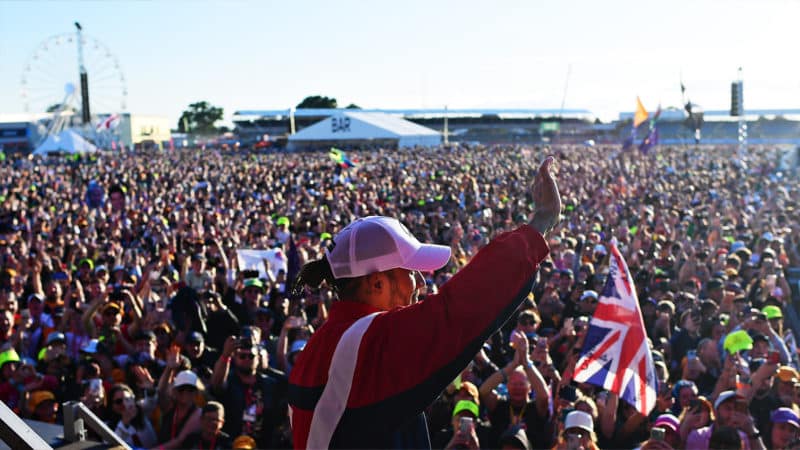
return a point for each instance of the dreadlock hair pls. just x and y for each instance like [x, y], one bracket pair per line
[314, 273]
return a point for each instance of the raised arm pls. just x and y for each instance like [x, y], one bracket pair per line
[413, 352]
[489, 397]
[535, 378]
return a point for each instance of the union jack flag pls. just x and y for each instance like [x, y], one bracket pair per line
[615, 353]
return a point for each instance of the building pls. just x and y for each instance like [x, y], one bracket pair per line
[22, 133]
[355, 128]
[141, 131]
[19, 133]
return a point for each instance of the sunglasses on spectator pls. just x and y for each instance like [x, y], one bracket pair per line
[245, 355]
[527, 322]
[186, 388]
[576, 434]
[120, 400]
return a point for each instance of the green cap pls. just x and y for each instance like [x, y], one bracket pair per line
[253, 282]
[87, 261]
[737, 341]
[466, 405]
[324, 236]
[7, 356]
[283, 220]
[772, 312]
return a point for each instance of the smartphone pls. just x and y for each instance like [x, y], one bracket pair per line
[691, 355]
[465, 425]
[96, 387]
[770, 282]
[657, 434]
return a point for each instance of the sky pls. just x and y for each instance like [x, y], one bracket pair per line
[595, 55]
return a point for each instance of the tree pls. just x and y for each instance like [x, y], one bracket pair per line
[352, 106]
[200, 118]
[317, 101]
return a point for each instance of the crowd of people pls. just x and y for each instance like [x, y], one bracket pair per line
[121, 287]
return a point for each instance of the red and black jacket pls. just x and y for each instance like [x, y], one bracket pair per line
[408, 355]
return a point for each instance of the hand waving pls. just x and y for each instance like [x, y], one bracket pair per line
[547, 198]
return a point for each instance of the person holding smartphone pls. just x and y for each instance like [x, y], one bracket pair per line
[389, 356]
[578, 433]
[465, 431]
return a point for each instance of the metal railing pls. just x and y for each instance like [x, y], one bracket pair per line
[17, 434]
[76, 414]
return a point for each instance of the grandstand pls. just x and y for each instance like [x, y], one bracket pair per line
[764, 126]
[537, 126]
[466, 125]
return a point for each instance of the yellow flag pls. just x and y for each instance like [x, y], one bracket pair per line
[640, 115]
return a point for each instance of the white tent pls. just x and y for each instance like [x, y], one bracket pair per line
[67, 141]
[353, 126]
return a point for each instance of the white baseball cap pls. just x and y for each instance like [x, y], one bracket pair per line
[187, 378]
[723, 397]
[579, 419]
[376, 243]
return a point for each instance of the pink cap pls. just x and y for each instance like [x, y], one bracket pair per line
[669, 421]
[376, 243]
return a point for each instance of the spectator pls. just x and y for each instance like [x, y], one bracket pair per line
[731, 413]
[128, 420]
[783, 430]
[183, 417]
[43, 406]
[522, 379]
[578, 433]
[255, 401]
[210, 435]
[465, 429]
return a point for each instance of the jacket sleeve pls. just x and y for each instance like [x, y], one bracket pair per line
[409, 355]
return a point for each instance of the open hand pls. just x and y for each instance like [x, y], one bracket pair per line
[547, 198]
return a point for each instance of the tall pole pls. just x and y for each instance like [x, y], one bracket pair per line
[742, 117]
[85, 113]
[566, 86]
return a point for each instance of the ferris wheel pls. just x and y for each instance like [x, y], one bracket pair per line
[52, 69]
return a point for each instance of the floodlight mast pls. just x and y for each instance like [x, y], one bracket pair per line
[85, 113]
[742, 128]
